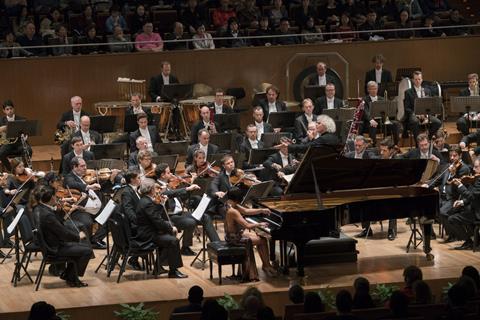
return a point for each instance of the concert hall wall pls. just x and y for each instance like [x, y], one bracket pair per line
[41, 87]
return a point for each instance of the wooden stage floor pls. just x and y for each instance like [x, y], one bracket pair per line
[380, 260]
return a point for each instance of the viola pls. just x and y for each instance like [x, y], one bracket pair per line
[67, 198]
[90, 176]
[150, 170]
[470, 179]
[206, 170]
[239, 176]
[177, 181]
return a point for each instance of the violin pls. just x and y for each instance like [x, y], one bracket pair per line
[206, 170]
[176, 181]
[470, 179]
[239, 176]
[90, 176]
[150, 171]
[67, 198]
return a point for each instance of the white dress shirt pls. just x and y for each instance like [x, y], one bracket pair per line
[9, 119]
[204, 148]
[322, 80]
[378, 76]
[260, 128]
[253, 143]
[420, 92]
[330, 103]
[374, 99]
[76, 119]
[284, 160]
[166, 80]
[146, 134]
[272, 107]
[218, 108]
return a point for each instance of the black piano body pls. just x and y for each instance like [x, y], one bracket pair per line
[329, 191]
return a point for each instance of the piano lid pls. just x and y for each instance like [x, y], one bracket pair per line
[334, 172]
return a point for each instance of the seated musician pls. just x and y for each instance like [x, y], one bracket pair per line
[301, 122]
[71, 120]
[200, 167]
[135, 106]
[141, 144]
[311, 133]
[328, 101]
[15, 148]
[203, 144]
[326, 136]
[145, 165]
[473, 137]
[277, 166]
[387, 149]
[378, 74]
[180, 218]
[204, 123]
[464, 123]
[74, 180]
[238, 231]
[262, 126]
[149, 132]
[361, 151]
[153, 225]
[271, 103]
[218, 106]
[88, 136]
[78, 150]
[221, 184]
[20, 177]
[411, 121]
[423, 151]
[164, 78]
[466, 210]
[369, 124]
[60, 240]
[250, 141]
[440, 143]
[321, 78]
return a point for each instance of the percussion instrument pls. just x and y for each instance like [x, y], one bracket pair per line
[127, 86]
[113, 108]
[200, 89]
[163, 109]
[191, 111]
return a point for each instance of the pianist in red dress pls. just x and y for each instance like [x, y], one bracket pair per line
[238, 231]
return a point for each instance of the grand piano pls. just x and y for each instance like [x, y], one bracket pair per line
[329, 191]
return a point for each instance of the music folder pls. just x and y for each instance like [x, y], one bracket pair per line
[283, 119]
[227, 121]
[258, 156]
[313, 92]
[30, 128]
[103, 124]
[381, 109]
[428, 105]
[108, 151]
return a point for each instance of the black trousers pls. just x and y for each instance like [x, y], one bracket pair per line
[393, 129]
[185, 222]
[461, 223]
[14, 149]
[392, 224]
[84, 221]
[446, 210]
[170, 250]
[411, 123]
[80, 254]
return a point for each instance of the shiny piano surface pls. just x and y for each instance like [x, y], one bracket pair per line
[329, 191]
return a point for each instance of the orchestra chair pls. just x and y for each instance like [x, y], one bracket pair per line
[48, 258]
[186, 316]
[170, 159]
[125, 248]
[476, 235]
[27, 236]
[222, 253]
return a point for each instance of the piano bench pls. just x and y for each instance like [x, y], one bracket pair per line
[222, 253]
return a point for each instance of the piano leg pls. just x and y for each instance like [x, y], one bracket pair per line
[283, 257]
[427, 235]
[300, 259]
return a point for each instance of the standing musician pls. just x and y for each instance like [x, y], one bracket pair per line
[370, 124]
[157, 82]
[150, 133]
[153, 226]
[88, 136]
[204, 123]
[262, 126]
[378, 74]
[277, 166]
[60, 240]
[271, 103]
[360, 151]
[218, 106]
[466, 209]
[78, 150]
[11, 149]
[203, 144]
[321, 78]
[301, 122]
[180, 218]
[200, 167]
[328, 101]
[71, 120]
[74, 180]
[141, 144]
[464, 123]
[411, 121]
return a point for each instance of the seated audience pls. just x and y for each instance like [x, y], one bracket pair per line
[42, 311]
[249, 15]
[195, 298]
[148, 40]
[193, 15]
[398, 304]
[343, 302]
[286, 36]
[404, 23]
[213, 311]
[94, 42]
[472, 272]
[361, 297]
[61, 37]
[422, 293]
[178, 37]
[235, 35]
[277, 13]
[296, 295]
[410, 275]
[138, 19]
[14, 50]
[221, 15]
[262, 30]
[31, 39]
[313, 303]
[202, 39]
[430, 32]
[310, 32]
[118, 42]
[115, 19]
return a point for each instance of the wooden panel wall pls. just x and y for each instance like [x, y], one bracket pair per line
[41, 87]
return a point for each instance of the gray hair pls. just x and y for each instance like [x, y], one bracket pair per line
[360, 138]
[327, 122]
[372, 84]
[147, 186]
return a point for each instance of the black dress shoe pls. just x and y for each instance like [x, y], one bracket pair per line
[363, 234]
[186, 251]
[176, 274]
[133, 262]
[467, 245]
[162, 270]
[449, 239]
[77, 283]
[433, 236]
[99, 245]
[391, 235]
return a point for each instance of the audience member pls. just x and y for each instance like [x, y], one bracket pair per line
[343, 302]
[94, 42]
[202, 39]
[412, 6]
[263, 30]
[118, 41]
[193, 15]
[410, 275]
[221, 15]
[195, 298]
[138, 19]
[251, 291]
[310, 32]
[235, 35]
[211, 310]
[148, 40]
[249, 15]
[304, 12]
[457, 20]
[472, 272]
[313, 303]
[430, 32]
[285, 35]
[296, 294]
[422, 293]
[80, 25]
[115, 19]
[31, 39]
[42, 311]
[178, 37]
[277, 13]
[15, 50]
[61, 37]
[361, 297]
[21, 20]
[404, 23]
[398, 304]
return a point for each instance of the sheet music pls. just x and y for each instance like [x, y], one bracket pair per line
[201, 208]
[288, 177]
[93, 204]
[106, 212]
[15, 221]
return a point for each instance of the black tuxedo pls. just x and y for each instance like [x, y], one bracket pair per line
[365, 127]
[365, 155]
[130, 200]
[267, 128]
[313, 79]
[326, 139]
[271, 174]
[410, 96]
[220, 183]
[62, 242]
[370, 76]
[152, 227]
[472, 137]
[197, 126]
[301, 126]
[94, 136]
[464, 92]
[156, 86]
[410, 120]
[87, 155]
[225, 109]
[12, 149]
[321, 104]
[152, 130]
[462, 218]
[211, 149]
[68, 116]
[415, 154]
[245, 148]
[462, 124]
[281, 106]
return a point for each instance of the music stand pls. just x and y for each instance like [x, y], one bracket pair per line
[284, 119]
[271, 139]
[383, 110]
[102, 219]
[173, 147]
[177, 91]
[216, 157]
[428, 105]
[341, 114]
[313, 92]
[222, 140]
[258, 97]
[170, 159]
[103, 124]
[130, 123]
[259, 190]
[108, 151]
[29, 127]
[465, 104]
[258, 156]
[227, 121]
